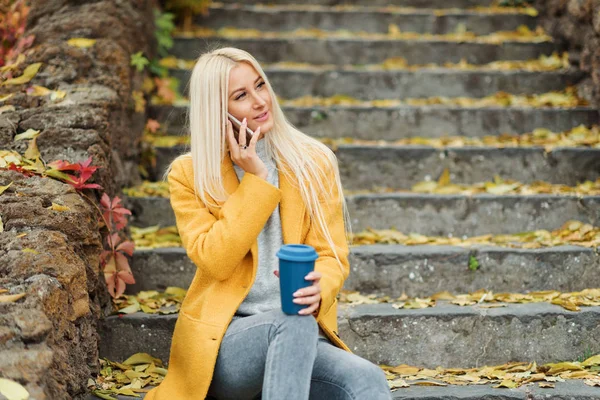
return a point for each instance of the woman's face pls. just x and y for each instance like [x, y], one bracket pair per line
[249, 97]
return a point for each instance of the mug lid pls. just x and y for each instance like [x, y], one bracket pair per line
[297, 252]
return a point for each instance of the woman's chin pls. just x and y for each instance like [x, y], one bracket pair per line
[265, 126]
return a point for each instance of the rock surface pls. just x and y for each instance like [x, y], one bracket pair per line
[576, 24]
[48, 338]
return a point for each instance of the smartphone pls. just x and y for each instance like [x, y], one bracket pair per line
[236, 129]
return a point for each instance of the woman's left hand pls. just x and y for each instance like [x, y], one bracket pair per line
[310, 295]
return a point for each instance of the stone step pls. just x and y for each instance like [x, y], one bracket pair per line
[290, 83]
[341, 51]
[395, 123]
[382, 3]
[572, 390]
[400, 167]
[366, 19]
[431, 214]
[416, 270]
[445, 335]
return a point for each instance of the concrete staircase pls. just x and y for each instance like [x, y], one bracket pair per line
[446, 335]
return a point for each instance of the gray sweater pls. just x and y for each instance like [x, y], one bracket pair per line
[264, 294]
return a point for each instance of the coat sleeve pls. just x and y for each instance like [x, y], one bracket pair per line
[218, 246]
[333, 276]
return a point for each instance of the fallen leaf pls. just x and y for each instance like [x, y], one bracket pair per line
[28, 75]
[428, 383]
[11, 298]
[13, 390]
[398, 383]
[546, 385]
[1, 224]
[507, 384]
[141, 358]
[594, 360]
[3, 188]
[7, 108]
[32, 151]
[28, 134]
[81, 42]
[404, 369]
[58, 207]
[592, 382]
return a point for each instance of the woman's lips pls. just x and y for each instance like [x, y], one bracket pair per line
[263, 117]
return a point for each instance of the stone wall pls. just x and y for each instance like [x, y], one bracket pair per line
[48, 339]
[576, 25]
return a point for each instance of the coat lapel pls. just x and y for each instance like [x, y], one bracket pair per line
[291, 206]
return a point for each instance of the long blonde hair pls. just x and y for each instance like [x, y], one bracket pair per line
[207, 115]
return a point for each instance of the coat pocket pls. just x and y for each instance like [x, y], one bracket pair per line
[194, 350]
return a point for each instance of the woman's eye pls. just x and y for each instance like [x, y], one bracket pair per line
[260, 85]
[240, 96]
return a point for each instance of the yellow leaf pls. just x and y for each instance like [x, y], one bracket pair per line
[595, 360]
[37, 91]
[8, 96]
[28, 75]
[445, 295]
[58, 207]
[142, 358]
[428, 383]
[444, 178]
[57, 95]
[176, 291]
[557, 368]
[81, 42]
[13, 390]
[507, 384]
[3, 188]
[404, 369]
[32, 151]
[1, 224]
[7, 108]
[28, 134]
[28, 250]
[592, 382]
[11, 298]
[398, 383]
[546, 385]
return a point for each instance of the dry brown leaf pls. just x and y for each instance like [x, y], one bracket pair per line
[11, 298]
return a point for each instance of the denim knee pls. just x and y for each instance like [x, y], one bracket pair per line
[369, 376]
[301, 324]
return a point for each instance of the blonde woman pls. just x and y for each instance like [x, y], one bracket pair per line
[236, 203]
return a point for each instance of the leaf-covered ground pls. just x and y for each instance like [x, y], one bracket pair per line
[392, 9]
[169, 301]
[567, 98]
[522, 34]
[543, 63]
[572, 232]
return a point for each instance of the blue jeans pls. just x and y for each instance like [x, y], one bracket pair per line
[279, 356]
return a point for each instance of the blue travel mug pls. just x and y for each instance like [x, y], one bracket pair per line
[295, 262]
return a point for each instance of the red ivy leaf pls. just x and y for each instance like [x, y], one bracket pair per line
[126, 276]
[62, 165]
[121, 261]
[152, 125]
[18, 168]
[127, 247]
[105, 201]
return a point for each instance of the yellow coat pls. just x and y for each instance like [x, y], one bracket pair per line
[223, 245]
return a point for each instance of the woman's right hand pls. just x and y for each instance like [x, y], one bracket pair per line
[247, 159]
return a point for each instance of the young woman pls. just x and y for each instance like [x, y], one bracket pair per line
[236, 203]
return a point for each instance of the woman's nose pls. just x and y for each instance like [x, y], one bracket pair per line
[258, 101]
